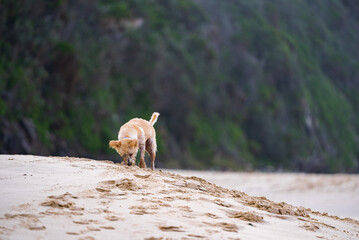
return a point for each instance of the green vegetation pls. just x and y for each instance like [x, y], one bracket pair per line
[239, 84]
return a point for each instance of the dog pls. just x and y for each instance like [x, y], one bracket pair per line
[137, 134]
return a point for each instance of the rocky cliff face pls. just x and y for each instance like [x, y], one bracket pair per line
[239, 84]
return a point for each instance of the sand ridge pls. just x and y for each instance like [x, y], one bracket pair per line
[86, 199]
[336, 194]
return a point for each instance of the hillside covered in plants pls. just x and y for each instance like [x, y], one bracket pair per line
[239, 84]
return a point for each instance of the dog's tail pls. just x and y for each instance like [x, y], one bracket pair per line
[154, 118]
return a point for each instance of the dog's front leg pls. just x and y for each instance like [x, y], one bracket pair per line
[142, 158]
[124, 161]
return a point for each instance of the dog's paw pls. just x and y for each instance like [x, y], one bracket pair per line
[142, 165]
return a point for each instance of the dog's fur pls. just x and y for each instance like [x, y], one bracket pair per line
[137, 134]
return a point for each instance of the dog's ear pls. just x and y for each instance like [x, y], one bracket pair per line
[132, 143]
[114, 144]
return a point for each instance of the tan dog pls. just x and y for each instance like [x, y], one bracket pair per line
[137, 134]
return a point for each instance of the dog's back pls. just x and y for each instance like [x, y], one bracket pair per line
[139, 127]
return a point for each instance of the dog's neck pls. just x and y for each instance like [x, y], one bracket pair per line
[127, 134]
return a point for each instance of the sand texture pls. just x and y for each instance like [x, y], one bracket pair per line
[73, 198]
[336, 194]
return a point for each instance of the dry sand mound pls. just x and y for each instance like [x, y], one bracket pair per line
[337, 194]
[72, 198]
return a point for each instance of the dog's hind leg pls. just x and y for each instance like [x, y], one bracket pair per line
[151, 147]
[142, 158]
[153, 157]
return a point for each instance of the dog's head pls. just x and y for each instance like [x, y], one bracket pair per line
[127, 148]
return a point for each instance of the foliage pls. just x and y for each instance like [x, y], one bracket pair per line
[239, 84]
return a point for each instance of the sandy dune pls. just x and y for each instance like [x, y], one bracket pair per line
[72, 198]
[336, 194]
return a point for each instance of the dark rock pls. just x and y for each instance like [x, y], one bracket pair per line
[14, 139]
[29, 127]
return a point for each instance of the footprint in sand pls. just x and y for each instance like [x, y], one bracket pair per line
[93, 229]
[168, 199]
[142, 210]
[309, 227]
[36, 228]
[123, 184]
[23, 215]
[142, 176]
[196, 236]
[62, 202]
[5, 230]
[107, 227]
[81, 222]
[31, 221]
[222, 203]
[59, 201]
[246, 216]
[85, 222]
[127, 184]
[185, 208]
[63, 196]
[179, 190]
[211, 215]
[109, 182]
[57, 204]
[112, 218]
[229, 227]
[170, 228]
[162, 204]
[103, 190]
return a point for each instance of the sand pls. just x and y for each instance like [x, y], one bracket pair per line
[73, 198]
[336, 194]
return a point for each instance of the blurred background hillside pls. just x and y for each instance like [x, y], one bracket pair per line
[240, 85]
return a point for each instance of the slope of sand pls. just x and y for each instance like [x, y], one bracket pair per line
[336, 194]
[72, 198]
